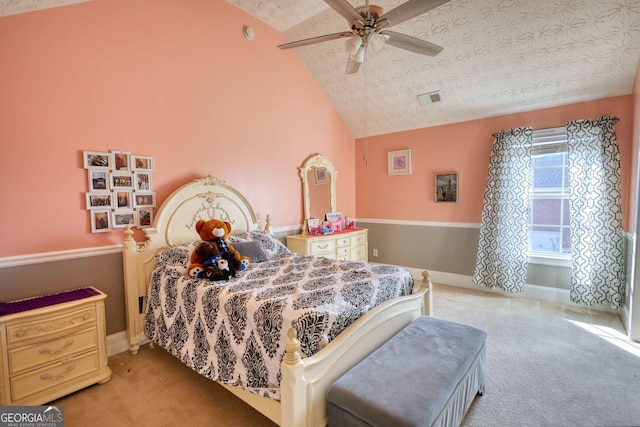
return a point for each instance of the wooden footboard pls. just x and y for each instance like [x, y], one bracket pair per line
[305, 382]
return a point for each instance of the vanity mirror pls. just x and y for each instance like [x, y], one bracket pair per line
[319, 187]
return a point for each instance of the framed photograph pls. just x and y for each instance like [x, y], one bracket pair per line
[447, 187]
[96, 160]
[333, 216]
[122, 219]
[320, 176]
[312, 223]
[144, 200]
[142, 181]
[121, 180]
[121, 161]
[100, 221]
[141, 163]
[99, 201]
[399, 162]
[98, 180]
[145, 217]
[123, 199]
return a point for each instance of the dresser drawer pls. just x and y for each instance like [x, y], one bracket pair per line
[360, 239]
[343, 253]
[322, 247]
[51, 326]
[40, 354]
[359, 254]
[343, 241]
[53, 375]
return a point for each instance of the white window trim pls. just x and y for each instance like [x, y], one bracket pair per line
[545, 141]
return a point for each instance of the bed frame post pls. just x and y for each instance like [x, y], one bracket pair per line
[292, 386]
[427, 309]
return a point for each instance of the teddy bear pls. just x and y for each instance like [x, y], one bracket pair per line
[219, 271]
[214, 245]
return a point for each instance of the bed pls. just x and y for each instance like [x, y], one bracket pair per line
[308, 358]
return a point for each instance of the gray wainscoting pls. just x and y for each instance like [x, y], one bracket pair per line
[103, 272]
[444, 248]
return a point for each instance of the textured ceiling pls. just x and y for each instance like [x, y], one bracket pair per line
[13, 7]
[500, 57]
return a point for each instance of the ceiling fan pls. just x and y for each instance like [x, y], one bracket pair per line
[369, 26]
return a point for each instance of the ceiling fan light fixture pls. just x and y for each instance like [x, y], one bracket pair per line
[377, 41]
[359, 55]
[353, 44]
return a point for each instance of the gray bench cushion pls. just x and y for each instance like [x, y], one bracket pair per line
[409, 380]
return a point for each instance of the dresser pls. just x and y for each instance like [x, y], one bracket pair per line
[349, 245]
[53, 349]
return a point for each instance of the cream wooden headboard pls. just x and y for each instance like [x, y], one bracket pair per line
[174, 224]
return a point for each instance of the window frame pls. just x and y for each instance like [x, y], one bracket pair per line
[547, 141]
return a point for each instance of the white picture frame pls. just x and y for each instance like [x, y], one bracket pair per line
[144, 217]
[96, 160]
[121, 160]
[141, 163]
[100, 220]
[122, 218]
[99, 200]
[99, 180]
[399, 162]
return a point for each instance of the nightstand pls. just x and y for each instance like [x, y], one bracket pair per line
[51, 346]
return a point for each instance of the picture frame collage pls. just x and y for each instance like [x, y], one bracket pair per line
[120, 189]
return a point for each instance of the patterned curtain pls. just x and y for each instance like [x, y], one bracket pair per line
[597, 265]
[502, 251]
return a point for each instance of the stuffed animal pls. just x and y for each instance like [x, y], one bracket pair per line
[219, 271]
[214, 233]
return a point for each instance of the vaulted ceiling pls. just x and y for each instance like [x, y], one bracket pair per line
[499, 57]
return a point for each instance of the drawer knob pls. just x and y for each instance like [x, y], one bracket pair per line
[86, 316]
[61, 349]
[46, 376]
[20, 333]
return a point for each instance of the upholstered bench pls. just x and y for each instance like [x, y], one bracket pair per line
[426, 375]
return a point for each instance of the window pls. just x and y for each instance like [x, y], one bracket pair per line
[549, 232]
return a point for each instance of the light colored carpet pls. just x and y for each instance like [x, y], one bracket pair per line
[548, 365]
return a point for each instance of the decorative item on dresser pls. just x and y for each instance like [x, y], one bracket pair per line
[348, 245]
[51, 346]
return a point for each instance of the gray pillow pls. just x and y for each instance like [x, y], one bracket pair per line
[252, 249]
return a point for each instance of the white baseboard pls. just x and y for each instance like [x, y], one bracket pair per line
[537, 292]
[117, 343]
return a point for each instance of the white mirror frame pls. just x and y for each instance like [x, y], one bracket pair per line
[317, 161]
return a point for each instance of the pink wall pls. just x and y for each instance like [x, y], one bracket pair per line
[175, 80]
[464, 148]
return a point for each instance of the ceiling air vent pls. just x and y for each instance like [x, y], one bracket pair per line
[429, 98]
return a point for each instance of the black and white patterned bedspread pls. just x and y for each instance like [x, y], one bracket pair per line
[234, 332]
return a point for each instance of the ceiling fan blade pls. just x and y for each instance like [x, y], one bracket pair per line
[352, 66]
[318, 39]
[408, 10]
[345, 9]
[411, 43]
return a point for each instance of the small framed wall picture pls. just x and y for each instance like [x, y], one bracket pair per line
[447, 187]
[121, 161]
[145, 217]
[100, 221]
[123, 218]
[141, 163]
[144, 200]
[121, 180]
[142, 180]
[99, 201]
[399, 162]
[96, 160]
[124, 199]
[98, 180]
